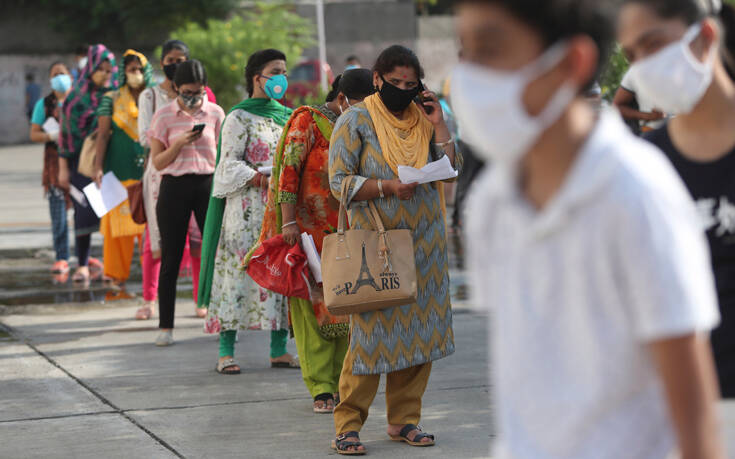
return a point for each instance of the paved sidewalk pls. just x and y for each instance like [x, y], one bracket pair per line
[90, 383]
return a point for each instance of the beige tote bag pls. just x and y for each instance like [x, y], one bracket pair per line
[366, 270]
[87, 156]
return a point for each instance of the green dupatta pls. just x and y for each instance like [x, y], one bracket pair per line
[267, 108]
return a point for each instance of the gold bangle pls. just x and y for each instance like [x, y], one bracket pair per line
[380, 188]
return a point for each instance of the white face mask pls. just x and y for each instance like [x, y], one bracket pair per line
[672, 78]
[489, 107]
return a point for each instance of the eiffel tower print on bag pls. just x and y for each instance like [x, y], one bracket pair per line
[366, 270]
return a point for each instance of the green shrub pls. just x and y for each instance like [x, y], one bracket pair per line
[224, 46]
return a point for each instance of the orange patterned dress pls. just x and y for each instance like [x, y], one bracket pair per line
[301, 177]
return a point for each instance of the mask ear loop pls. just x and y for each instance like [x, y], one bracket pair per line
[564, 94]
[686, 42]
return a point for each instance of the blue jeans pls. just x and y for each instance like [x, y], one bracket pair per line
[59, 224]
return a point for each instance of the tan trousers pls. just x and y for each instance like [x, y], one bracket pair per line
[403, 394]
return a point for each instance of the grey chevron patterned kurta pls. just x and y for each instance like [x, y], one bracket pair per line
[413, 334]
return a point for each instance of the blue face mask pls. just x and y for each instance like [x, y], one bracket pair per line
[276, 86]
[61, 83]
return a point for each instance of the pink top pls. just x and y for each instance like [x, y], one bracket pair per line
[171, 122]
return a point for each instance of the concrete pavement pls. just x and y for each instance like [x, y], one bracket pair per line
[90, 383]
[79, 378]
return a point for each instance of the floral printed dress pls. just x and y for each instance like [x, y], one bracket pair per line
[237, 302]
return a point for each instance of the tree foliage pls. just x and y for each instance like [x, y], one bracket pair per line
[613, 73]
[130, 23]
[224, 46]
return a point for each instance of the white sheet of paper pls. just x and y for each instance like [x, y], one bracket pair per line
[78, 196]
[265, 170]
[312, 256]
[432, 172]
[51, 126]
[106, 197]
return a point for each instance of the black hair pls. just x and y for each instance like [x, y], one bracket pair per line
[190, 72]
[172, 45]
[55, 63]
[334, 92]
[29, 77]
[130, 58]
[357, 84]
[397, 56]
[352, 57]
[81, 50]
[556, 20]
[693, 11]
[257, 62]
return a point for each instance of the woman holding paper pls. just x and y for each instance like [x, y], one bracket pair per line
[299, 200]
[250, 135]
[369, 142]
[119, 152]
[78, 120]
[45, 129]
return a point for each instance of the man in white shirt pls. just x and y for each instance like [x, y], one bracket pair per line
[585, 248]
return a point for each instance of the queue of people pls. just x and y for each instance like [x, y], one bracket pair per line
[198, 165]
[610, 285]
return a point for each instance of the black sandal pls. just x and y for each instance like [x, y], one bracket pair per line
[326, 398]
[341, 444]
[403, 436]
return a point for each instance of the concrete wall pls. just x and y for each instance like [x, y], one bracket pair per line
[437, 48]
[363, 28]
[14, 125]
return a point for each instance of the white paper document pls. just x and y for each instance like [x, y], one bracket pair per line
[106, 197]
[51, 126]
[265, 170]
[77, 195]
[312, 256]
[432, 172]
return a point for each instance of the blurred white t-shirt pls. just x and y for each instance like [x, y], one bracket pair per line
[616, 260]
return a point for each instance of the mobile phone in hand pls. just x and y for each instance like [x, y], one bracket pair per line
[422, 100]
[198, 127]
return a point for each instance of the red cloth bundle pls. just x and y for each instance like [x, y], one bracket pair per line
[280, 268]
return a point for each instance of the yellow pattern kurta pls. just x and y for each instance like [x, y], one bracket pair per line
[413, 334]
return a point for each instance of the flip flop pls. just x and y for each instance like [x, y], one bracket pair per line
[403, 436]
[292, 364]
[223, 367]
[325, 409]
[80, 277]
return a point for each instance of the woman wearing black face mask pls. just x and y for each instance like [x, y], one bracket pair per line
[173, 53]
[369, 142]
